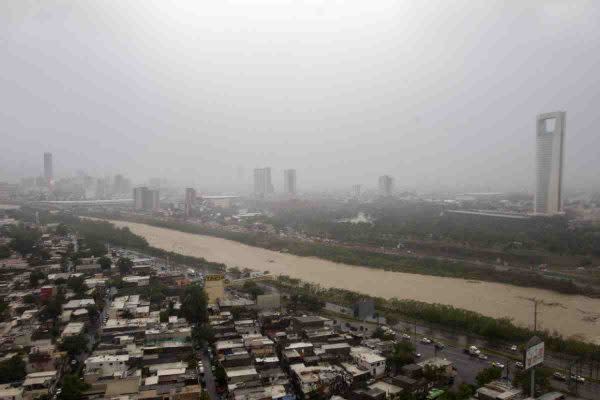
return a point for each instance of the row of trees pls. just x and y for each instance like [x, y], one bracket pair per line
[393, 262]
[457, 319]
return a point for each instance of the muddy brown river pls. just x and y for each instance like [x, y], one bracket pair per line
[567, 314]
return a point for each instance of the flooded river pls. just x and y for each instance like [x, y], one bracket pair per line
[569, 315]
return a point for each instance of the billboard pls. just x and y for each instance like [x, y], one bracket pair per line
[534, 355]
[214, 277]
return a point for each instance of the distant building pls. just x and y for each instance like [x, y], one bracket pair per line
[190, 198]
[121, 184]
[356, 191]
[364, 309]
[48, 169]
[386, 184]
[262, 181]
[145, 199]
[550, 136]
[289, 181]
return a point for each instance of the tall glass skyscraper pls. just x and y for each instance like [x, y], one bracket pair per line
[550, 138]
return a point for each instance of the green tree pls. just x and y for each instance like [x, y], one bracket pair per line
[402, 354]
[62, 230]
[220, 376]
[125, 264]
[194, 304]
[542, 379]
[487, 375]
[74, 345]
[35, 277]
[12, 369]
[253, 289]
[77, 285]
[4, 252]
[73, 387]
[29, 299]
[202, 334]
[105, 263]
[23, 240]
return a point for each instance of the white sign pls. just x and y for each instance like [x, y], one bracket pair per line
[534, 355]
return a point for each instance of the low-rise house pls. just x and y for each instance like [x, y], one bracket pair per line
[105, 365]
[80, 303]
[367, 359]
[38, 384]
[73, 329]
[498, 390]
[241, 374]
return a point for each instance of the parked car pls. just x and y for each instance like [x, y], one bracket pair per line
[514, 347]
[519, 365]
[559, 376]
[426, 340]
[418, 355]
[578, 378]
[497, 364]
[439, 346]
[405, 336]
[482, 356]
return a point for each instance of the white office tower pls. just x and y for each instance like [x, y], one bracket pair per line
[289, 181]
[550, 139]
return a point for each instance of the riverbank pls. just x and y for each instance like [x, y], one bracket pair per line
[568, 315]
[388, 262]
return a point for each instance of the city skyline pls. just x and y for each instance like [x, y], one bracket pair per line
[455, 116]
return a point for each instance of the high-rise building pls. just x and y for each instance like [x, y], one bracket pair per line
[550, 138]
[356, 191]
[289, 181]
[190, 198]
[48, 170]
[145, 199]
[262, 181]
[386, 184]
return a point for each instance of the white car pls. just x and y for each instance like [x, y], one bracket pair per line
[426, 340]
[514, 347]
[497, 364]
[482, 356]
[405, 336]
[519, 365]
[578, 378]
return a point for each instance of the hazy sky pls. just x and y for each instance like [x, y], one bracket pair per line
[432, 93]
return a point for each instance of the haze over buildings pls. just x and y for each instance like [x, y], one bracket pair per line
[342, 91]
[262, 182]
[289, 181]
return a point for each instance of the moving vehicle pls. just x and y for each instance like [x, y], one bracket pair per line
[514, 347]
[426, 340]
[519, 365]
[439, 346]
[578, 378]
[473, 351]
[559, 376]
[497, 365]
[482, 356]
[405, 336]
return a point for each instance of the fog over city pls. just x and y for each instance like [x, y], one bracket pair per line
[435, 94]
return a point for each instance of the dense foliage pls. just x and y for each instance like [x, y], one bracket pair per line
[194, 304]
[392, 262]
[12, 370]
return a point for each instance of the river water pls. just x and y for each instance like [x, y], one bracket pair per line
[570, 315]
